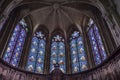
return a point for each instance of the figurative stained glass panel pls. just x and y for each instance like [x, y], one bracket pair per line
[96, 43]
[58, 53]
[78, 55]
[93, 42]
[81, 54]
[100, 43]
[32, 54]
[37, 52]
[18, 48]
[11, 44]
[14, 49]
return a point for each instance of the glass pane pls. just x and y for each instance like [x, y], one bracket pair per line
[18, 48]
[94, 47]
[11, 45]
[37, 53]
[32, 54]
[40, 56]
[15, 46]
[81, 54]
[78, 55]
[100, 44]
[58, 53]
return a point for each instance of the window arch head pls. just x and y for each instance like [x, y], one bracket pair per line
[35, 62]
[16, 43]
[58, 53]
[97, 45]
[78, 54]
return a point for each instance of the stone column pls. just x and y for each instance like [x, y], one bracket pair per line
[67, 53]
[47, 54]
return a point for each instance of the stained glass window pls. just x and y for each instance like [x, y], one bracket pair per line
[96, 43]
[14, 49]
[36, 55]
[58, 53]
[78, 55]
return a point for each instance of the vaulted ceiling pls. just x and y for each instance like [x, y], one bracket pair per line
[57, 14]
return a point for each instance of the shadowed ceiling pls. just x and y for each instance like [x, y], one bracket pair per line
[57, 14]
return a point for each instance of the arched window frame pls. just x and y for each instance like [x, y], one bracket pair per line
[37, 64]
[15, 45]
[64, 54]
[79, 67]
[96, 40]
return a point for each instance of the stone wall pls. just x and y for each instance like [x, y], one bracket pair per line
[108, 70]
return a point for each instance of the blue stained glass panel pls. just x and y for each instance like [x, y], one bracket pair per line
[14, 49]
[40, 56]
[11, 44]
[100, 44]
[18, 49]
[58, 53]
[16, 43]
[32, 54]
[81, 54]
[96, 44]
[78, 55]
[94, 47]
[37, 52]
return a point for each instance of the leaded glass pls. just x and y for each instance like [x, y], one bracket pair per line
[14, 49]
[18, 48]
[35, 61]
[94, 47]
[58, 53]
[96, 44]
[78, 55]
[100, 43]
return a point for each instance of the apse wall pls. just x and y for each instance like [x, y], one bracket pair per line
[82, 37]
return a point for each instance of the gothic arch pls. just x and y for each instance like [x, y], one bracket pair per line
[72, 28]
[96, 42]
[43, 28]
[77, 52]
[16, 43]
[37, 52]
[58, 50]
[58, 31]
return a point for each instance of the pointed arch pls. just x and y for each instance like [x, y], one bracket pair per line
[58, 51]
[77, 51]
[16, 43]
[97, 46]
[35, 61]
